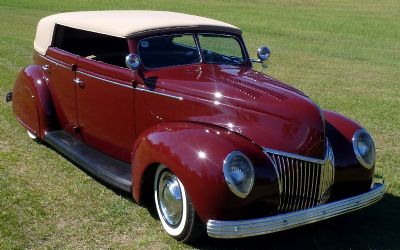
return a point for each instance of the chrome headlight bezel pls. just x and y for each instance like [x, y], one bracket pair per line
[361, 158]
[228, 174]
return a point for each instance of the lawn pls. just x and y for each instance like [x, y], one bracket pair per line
[344, 54]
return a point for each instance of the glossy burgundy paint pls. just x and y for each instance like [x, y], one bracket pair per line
[179, 112]
[178, 146]
[340, 131]
[24, 103]
[62, 87]
[32, 103]
[271, 114]
[106, 110]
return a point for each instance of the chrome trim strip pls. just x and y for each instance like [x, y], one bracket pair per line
[252, 227]
[103, 79]
[159, 93]
[302, 183]
[117, 83]
[278, 174]
[314, 174]
[295, 156]
[55, 62]
[128, 86]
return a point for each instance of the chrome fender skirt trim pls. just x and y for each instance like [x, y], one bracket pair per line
[252, 227]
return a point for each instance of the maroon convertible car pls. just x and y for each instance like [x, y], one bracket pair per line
[167, 106]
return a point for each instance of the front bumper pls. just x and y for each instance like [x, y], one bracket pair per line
[252, 227]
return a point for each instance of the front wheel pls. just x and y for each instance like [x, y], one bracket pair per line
[175, 208]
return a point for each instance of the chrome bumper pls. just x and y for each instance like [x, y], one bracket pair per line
[252, 227]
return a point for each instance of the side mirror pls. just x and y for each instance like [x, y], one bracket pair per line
[263, 53]
[132, 61]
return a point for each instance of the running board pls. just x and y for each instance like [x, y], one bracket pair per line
[112, 171]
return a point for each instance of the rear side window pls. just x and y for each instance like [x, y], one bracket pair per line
[170, 50]
[95, 46]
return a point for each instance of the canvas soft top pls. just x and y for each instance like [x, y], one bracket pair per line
[125, 23]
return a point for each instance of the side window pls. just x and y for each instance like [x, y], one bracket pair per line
[99, 47]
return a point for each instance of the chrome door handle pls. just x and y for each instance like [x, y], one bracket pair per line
[79, 82]
[46, 67]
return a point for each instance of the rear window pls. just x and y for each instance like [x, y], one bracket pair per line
[170, 50]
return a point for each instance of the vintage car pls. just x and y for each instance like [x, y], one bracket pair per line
[167, 106]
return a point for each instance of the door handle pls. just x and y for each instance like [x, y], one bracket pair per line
[79, 82]
[45, 67]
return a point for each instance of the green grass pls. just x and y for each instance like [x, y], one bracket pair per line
[344, 54]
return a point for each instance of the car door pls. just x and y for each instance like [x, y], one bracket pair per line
[105, 104]
[60, 69]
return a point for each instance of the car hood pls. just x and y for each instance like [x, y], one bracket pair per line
[266, 111]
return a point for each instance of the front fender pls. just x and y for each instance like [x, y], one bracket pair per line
[195, 153]
[350, 176]
[32, 104]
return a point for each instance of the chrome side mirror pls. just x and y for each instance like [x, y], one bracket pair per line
[132, 61]
[263, 53]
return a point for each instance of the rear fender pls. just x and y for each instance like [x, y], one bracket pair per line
[32, 104]
[195, 153]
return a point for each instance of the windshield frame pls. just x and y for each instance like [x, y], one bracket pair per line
[238, 39]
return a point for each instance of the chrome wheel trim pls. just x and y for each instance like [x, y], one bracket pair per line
[180, 226]
[31, 135]
[170, 198]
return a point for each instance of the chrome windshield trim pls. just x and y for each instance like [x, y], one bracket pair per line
[253, 227]
[198, 47]
[240, 42]
[295, 156]
[174, 34]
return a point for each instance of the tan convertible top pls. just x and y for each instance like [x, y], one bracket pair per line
[124, 23]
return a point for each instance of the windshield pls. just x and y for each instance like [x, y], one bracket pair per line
[164, 51]
[220, 49]
[174, 50]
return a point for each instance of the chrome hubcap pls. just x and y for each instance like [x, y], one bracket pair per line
[170, 198]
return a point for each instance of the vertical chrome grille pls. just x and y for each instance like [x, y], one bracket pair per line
[303, 182]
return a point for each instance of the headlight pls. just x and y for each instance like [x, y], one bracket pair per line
[239, 173]
[364, 148]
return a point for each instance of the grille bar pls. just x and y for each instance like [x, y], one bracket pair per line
[303, 182]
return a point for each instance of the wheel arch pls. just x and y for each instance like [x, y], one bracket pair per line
[32, 104]
[146, 184]
[177, 145]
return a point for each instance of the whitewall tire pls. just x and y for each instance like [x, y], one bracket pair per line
[174, 207]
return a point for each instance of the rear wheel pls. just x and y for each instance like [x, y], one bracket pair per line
[175, 208]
